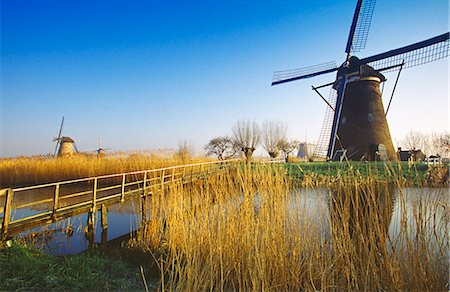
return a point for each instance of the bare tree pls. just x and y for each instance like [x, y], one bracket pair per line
[287, 147]
[430, 144]
[246, 136]
[184, 151]
[415, 140]
[440, 144]
[222, 147]
[273, 132]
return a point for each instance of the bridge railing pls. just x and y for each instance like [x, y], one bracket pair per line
[49, 202]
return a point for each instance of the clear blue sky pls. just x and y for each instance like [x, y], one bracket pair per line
[149, 74]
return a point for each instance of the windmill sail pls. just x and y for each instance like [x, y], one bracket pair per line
[324, 139]
[58, 140]
[303, 73]
[359, 30]
[413, 55]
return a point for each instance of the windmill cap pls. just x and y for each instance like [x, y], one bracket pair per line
[356, 67]
[67, 139]
[365, 70]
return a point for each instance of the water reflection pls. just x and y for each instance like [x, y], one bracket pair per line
[380, 216]
[123, 218]
[374, 217]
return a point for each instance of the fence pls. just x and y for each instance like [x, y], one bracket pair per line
[56, 201]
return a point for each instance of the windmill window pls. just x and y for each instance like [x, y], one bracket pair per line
[344, 120]
[371, 118]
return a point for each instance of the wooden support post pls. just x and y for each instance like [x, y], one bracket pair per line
[144, 206]
[7, 212]
[104, 218]
[94, 196]
[144, 181]
[104, 239]
[122, 199]
[173, 174]
[104, 224]
[91, 220]
[55, 201]
[89, 231]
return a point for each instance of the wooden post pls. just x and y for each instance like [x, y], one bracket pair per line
[144, 181]
[104, 239]
[89, 231]
[94, 196]
[91, 220]
[7, 212]
[104, 224]
[55, 201]
[122, 199]
[104, 218]
[173, 174]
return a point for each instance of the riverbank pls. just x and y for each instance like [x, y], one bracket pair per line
[24, 267]
[401, 173]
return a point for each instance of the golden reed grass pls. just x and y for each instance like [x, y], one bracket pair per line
[25, 171]
[243, 230]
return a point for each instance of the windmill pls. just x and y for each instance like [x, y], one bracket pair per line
[66, 144]
[100, 150]
[355, 124]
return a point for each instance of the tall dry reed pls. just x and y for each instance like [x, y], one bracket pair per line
[250, 229]
[35, 170]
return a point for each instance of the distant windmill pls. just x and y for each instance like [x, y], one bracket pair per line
[101, 151]
[65, 146]
[355, 122]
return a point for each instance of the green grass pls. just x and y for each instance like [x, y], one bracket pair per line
[25, 268]
[400, 171]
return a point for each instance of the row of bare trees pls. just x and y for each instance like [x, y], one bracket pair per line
[248, 135]
[430, 144]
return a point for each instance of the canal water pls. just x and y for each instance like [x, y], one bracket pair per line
[315, 206]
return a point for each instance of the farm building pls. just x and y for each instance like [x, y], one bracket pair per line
[407, 155]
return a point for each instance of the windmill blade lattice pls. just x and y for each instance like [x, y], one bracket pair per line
[413, 55]
[58, 140]
[325, 134]
[360, 26]
[303, 73]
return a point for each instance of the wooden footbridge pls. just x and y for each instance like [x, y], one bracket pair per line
[47, 203]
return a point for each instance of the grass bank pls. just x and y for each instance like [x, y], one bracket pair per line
[324, 173]
[25, 268]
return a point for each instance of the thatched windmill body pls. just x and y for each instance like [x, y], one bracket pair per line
[355, 124]
[65, 146]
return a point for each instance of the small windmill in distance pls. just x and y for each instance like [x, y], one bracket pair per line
[101, 151]
[66, 144]
[355, 125]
